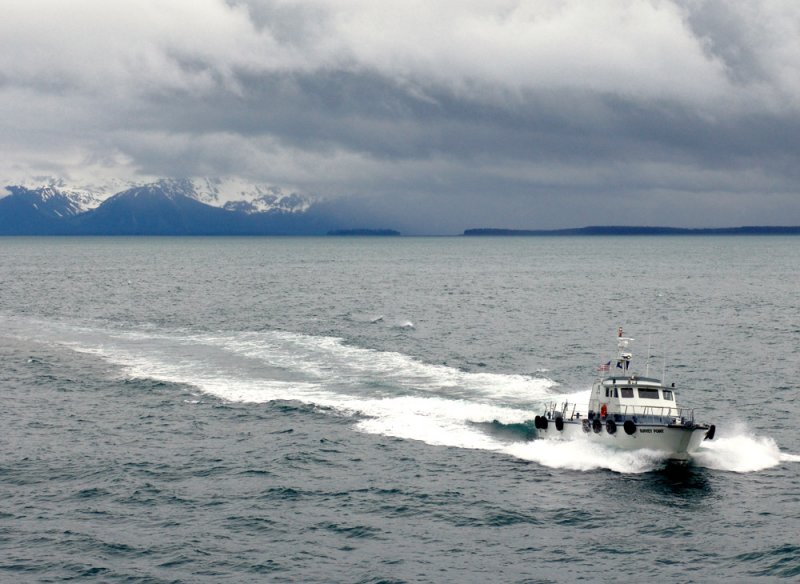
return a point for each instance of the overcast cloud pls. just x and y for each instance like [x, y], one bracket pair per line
[431, 116]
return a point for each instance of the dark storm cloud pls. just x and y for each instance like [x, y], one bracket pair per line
[446, 114]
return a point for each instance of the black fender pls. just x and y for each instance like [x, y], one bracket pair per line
[597, 425]
[611, 426]
[711, 431]
[559, 424]
[630, 427]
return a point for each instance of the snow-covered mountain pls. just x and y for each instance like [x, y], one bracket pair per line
[162, 207]
[227, 193]
[54, 200]
[238, 195]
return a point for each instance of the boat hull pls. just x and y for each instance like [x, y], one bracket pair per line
[676, 442]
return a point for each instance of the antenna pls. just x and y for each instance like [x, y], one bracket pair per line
[664, 369]
[647, 363]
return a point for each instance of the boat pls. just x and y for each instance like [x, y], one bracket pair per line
[628, 411]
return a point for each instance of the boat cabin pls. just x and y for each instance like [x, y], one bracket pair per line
[640, 399]
[627, 395]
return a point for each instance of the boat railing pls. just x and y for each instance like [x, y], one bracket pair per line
[566, 410]
[637, 413]
[685, 415]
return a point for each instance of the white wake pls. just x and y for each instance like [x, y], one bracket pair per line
[389, 393]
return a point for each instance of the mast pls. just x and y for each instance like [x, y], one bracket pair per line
[623, 356]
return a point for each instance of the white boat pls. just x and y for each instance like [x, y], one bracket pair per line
[628, 411]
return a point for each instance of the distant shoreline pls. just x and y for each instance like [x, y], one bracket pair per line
[633, 230]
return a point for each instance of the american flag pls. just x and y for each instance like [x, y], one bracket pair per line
[604, 366]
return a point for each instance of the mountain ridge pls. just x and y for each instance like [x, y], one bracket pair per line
[173, 206]
[217, 192]
[163, 207]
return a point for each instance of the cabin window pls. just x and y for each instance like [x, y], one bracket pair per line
[648, 393]
[667, 394]
[615, 392]
[607, 392]
[626, 392]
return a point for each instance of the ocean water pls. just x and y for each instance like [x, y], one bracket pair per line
[360, 410]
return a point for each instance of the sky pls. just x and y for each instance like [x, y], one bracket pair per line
[429, 116]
